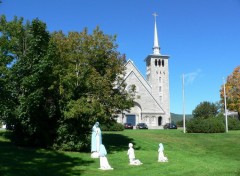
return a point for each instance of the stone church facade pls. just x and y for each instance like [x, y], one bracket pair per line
[152, 101]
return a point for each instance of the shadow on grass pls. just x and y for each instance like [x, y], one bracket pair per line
[26, 161]
[117, 142]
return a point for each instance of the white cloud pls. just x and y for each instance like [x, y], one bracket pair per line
[189, 78]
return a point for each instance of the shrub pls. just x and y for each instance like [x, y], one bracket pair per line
[233, 123]
[113, 126]
[210, 125]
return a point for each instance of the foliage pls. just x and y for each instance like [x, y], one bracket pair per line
[112, 126]
[233, 122]
[32, 98]
[90, 86]
[54, 87]
[209, 125]
[205, 110]
[9, 46]
[232, 88]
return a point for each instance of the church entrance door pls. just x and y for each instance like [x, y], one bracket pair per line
[131, 119]
[159, 120]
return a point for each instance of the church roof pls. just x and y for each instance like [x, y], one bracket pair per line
[139, 79]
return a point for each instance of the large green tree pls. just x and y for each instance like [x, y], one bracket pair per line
[32, 99]
[91, 86]
[205, 110]
[9, 50]
[54, 87]
[232, 88]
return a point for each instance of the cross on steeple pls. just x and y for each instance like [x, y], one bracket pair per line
[155, 15]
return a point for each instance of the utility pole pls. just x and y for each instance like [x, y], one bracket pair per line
[225, 104]
[184, 128]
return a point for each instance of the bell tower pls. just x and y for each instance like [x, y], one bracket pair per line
[157, 75]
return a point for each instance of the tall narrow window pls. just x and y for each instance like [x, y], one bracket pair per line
[160, 80]
[159, 63]
[160, 88]
[155, 62]
[163, 63]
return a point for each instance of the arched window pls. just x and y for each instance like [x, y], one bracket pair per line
[159, 120]
[159, 63]
[163, 63]
[155, 62]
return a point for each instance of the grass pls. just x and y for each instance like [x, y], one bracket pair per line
[188, 154]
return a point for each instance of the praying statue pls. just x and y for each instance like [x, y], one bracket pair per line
[96, 140]
[161, 157]
[104, 165]
[131, 155]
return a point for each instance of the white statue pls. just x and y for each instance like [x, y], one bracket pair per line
[161, 157]
[96, 140]
[104, 165]
[131, 155]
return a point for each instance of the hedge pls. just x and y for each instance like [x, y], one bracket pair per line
[210, 125]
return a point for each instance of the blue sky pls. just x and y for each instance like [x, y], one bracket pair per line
[202, 37]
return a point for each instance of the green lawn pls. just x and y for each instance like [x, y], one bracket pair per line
[188, 154]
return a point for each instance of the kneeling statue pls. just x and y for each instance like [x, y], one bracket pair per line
[131, 155]
[104, 165]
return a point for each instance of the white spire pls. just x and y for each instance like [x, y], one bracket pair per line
[156, 48]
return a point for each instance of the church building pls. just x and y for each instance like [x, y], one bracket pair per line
[152, 101]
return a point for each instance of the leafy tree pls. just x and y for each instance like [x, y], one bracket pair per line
[90, 86]
[232, 88]
[9, 49]
[54, 87]
[33, 107]
[205, 110]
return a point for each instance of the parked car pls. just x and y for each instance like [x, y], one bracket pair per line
[170, 126]
[128, 126]
[142, 126]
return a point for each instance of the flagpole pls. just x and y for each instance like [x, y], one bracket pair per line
[225, 105]
[184, 128]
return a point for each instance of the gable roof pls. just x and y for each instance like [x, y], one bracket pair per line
[140, 76]
[132, 70]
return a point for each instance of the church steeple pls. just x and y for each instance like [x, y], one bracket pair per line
[157, 76]
[156, 48]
